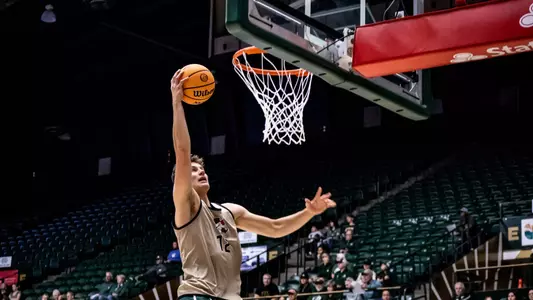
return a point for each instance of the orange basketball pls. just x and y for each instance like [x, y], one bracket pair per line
[200, 85]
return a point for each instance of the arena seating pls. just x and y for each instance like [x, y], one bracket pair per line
[131, 260]
[122, 234]
[96, 238]
[409, 229]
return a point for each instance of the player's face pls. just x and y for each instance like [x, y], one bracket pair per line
[200, 181]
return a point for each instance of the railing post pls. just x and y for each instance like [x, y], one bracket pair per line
[298, 253]
[304, 256]
[287, 253]
[258, 270]
[279, 269]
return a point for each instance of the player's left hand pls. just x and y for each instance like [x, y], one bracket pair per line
[320, 202]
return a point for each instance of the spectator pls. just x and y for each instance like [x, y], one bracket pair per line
[268, 288]
[155, 274]
[350, 224]
[321, 250]
[333, 296]
[385, 295]
[56, 294]
[348, 244]
[332, 229]
[349, 294]
[313, 239]
[319, 286]
[104, 288]
[530, 295]
[341, 273]
[327, 230]
[488, 298]
[325, 269]
[44, 296]
[511, 296]
[367, 266]
[305, 286]
[120, 290]
[70, 295]
[369, 285]
[174, 254]
[386, 276]
[4, 295]
[460, 293]
[15, 292]
[292, 295]
[468, 229]
[315, 234]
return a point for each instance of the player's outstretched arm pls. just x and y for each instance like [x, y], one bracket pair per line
[185, 199]
[277, 228]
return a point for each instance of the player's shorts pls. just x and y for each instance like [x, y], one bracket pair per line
[198, 297]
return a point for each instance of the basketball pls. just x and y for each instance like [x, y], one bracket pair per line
[200, 85]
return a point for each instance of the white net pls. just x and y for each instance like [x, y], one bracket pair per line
[282, 95]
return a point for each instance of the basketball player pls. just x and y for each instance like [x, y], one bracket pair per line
[207, 232]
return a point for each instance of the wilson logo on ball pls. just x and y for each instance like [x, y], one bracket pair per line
[204, 77]
[203, 93]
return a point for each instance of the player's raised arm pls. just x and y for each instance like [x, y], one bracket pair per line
[185, 199]
[276, 228]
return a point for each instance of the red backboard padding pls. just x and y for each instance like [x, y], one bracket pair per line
[472, 32]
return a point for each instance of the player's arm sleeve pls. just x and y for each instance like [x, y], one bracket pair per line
[274, 228]
[184, 200]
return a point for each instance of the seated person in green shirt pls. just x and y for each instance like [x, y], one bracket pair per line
[120, 290]
[325, 269]
[341, 272]
[348, 244]
[104, 288]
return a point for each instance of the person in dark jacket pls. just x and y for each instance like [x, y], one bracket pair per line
[156, 274]
[104, 288]
[305, 287]
[460, 292]
[468, 229]
[120, 291]
[386, 275]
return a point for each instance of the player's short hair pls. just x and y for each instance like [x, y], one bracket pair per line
[197, 159]
[194, 159]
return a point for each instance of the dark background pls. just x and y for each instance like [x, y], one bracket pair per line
[103, 77]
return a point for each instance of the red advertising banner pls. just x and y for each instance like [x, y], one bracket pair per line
[469, 33]
[10, 276]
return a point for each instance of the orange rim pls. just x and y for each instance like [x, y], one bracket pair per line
[254, 50]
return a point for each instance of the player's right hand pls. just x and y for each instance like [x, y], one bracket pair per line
[176, 87]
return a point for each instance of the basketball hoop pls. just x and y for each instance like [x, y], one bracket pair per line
[281, 93]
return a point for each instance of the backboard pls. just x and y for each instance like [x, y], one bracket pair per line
[317, 35]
